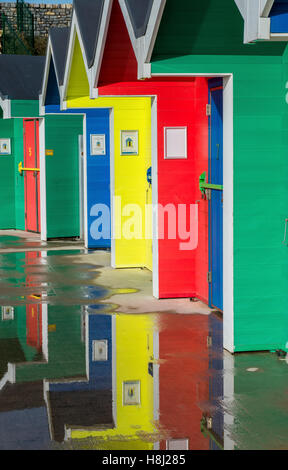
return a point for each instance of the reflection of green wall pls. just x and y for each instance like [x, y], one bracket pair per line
[66, 351]
[260, 155]
[62, 175]
[260, 403]
[7, 178]
[8, 328]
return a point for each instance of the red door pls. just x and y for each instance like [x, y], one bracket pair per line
[32, 177]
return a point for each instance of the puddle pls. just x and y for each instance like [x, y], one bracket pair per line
[150, 381]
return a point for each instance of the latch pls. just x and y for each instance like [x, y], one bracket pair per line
[21, 168]
[203, 185]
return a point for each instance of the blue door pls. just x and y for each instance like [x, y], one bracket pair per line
[216, 200]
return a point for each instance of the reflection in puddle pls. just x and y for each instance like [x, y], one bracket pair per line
[76, 375]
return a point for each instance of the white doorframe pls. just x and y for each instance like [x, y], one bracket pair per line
[43, 208]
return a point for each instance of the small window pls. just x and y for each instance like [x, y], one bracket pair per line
[5, 146]
[97, 144]
[131, 393]
[177, 444]
[7, 313]
[175, 142]
[99, 350]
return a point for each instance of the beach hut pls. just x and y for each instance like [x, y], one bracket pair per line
[20, 81]
[94, 141]
[207, 147]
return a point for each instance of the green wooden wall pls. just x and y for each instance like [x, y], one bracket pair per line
[7, 178]
[260, 155]
[25, 108]
[62, 175]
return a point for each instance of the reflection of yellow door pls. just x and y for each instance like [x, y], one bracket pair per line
[134, 414]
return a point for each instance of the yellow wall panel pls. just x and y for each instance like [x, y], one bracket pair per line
[78, 82]
[130, 173]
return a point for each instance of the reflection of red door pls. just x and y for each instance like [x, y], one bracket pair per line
[34, 326]
[33, 310]
[32, 178]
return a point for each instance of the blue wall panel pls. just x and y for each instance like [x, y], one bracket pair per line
[98, 167]
[279, 17]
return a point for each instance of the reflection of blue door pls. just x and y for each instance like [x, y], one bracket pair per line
[216, 201]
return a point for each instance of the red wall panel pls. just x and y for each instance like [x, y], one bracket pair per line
[180, 102]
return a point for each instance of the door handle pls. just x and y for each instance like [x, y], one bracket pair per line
[21, 169]
[203, 185]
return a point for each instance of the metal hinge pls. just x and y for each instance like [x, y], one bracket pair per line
[209, 341]
[208, 109]
[209, 277]
[208, 194]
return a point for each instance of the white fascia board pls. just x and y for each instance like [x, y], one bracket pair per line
[5, 104]
[42, 96]
[143, 46]
[128, 25]
[95, 70]
[75, 30]
[69, 57]
[256, 27]
[265, 8]
[41, 106]
[153, 28]
[241, 4]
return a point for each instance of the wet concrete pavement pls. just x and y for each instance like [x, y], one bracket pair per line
[76, 335]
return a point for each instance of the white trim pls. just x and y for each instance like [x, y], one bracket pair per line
[114, 369]
[105, 20]
[241, 4]
[5, 104]
[143, 46]
[42, 96]
[155, 245]
[75, 31]
[45, 329]
[265, 7]
[279, 37]
[228, 397]
[112, 189]
[153, 28]
[228, 214]
[257, 23]
[85, 182]
[81, 184]
[87, 356]
[156, 376]
[43, 193]
[129, 26]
